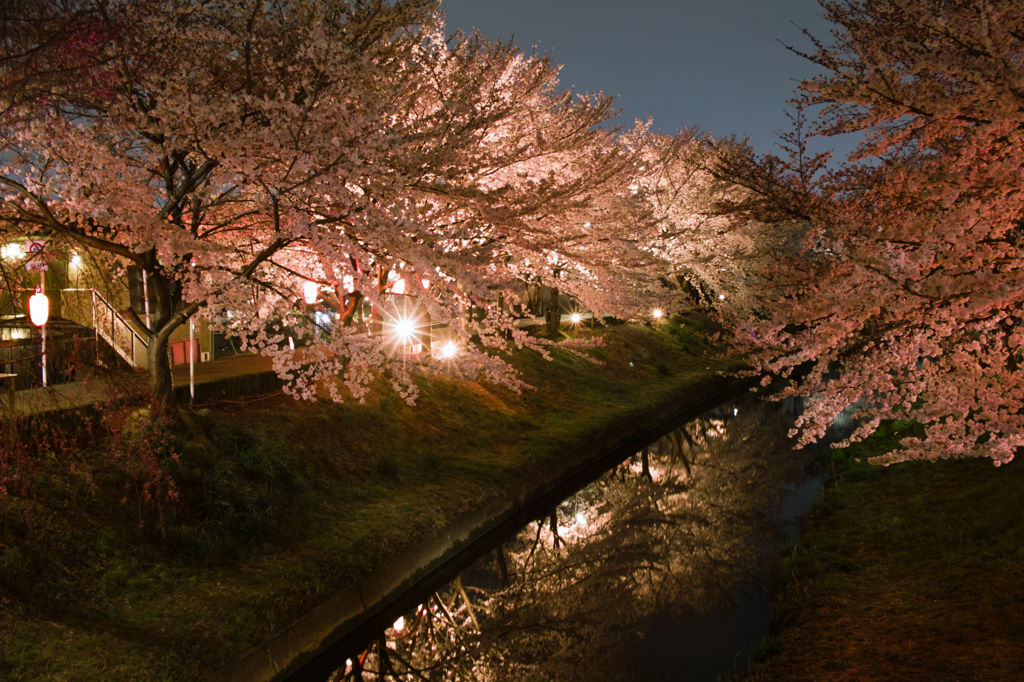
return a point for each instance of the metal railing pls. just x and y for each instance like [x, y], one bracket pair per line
[113, 328]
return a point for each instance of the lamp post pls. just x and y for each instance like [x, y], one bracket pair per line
[145, 298]
[192, 359]
[39, 312]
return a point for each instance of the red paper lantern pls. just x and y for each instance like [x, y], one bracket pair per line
[39, 308]
[310, 290]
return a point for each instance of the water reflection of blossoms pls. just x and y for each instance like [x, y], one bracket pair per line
[674, 531]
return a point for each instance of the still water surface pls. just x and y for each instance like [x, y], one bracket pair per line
[656, 571]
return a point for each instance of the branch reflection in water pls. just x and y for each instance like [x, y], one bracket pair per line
[677, 530]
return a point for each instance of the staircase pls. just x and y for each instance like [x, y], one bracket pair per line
[109, 324]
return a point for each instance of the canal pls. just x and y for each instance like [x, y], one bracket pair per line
[657, 570]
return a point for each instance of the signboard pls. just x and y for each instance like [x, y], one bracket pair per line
[36, 265]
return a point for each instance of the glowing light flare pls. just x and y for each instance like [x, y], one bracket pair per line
[575, 318]
[399, 624]
[12, 251]
[76, 260]
[39, 308]
[406, 327]
[721, 297]
[310, 291]
[425, 283]
[449, 350]
[403, 329]
[657, 313]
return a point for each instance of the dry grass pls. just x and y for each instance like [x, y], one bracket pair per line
[905, 573]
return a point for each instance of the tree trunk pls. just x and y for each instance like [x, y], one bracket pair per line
[502, 566]
[160, 375]
[164, 402]
[355, 304]
[535, 299]
[556, 541]
[554, 316]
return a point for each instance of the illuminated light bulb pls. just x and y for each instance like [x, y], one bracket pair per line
[76, 260]
[398, 287]
[735, 411]
[657, 313]
[400, 624]
[310, 290]
[721, 297]
[575, 318]
[425, 282]
[449, 350]
[39, 308]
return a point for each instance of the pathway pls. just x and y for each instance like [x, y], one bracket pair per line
[84, 393]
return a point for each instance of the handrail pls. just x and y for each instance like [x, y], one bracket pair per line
[118, 326]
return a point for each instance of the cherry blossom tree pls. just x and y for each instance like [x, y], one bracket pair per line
[907, 298]
[723, 261]
[237, 151]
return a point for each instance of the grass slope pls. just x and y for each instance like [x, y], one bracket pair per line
[910, 572]
[292, 501]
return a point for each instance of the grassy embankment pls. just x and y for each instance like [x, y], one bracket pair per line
[911, 572]
[290, 502]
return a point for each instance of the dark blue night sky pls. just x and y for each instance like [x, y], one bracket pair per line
[718, 64]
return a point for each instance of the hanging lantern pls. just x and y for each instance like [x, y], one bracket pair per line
[310, 290]
[39, 308]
